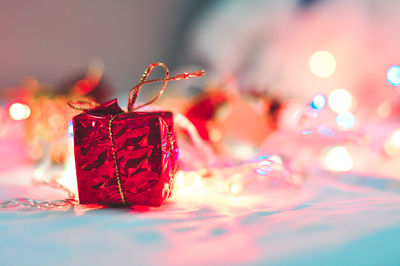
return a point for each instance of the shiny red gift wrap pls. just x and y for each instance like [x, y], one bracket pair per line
[145, 150]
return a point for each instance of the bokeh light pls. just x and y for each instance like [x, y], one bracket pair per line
[322, 64]
[71, 129]
[19, 111]
[384, 109]
[215, 135]
[392, 143]
[340, 100]
[396, 138]
[198, 182]
[393, 75]
[337, 159]
[276, 159]
[180, 178]
[345, 120]
[236, 188]
[318, 102]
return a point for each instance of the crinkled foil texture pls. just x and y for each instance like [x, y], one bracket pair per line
[146, 153]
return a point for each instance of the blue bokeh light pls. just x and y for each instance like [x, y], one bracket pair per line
[318, 102]
[71, 129]
[393, 75]
[345, 120]
[306, 132]
[325, 131]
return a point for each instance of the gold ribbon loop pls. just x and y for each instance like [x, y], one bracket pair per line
[134, 92]
[82, 105]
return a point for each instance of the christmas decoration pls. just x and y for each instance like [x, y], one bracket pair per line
[126, 158]
[47, 115]
[233, 124]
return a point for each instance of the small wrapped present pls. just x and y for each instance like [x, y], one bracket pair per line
[127, 158]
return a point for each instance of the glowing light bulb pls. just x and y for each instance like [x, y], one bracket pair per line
[197, 183]
[393, 75]
[322, 64]
[236, 189]
[180, 179]
[340, 100]
[337, 159]
[345, 120]
[318, 102]
[19, 111]
[68, 177]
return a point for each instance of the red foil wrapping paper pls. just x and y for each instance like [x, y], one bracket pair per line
[145, 149]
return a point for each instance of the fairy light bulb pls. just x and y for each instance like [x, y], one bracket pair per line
[322, 64]
[340, 100]
[337, 159]
[68, 177]
[197, 182]
[235, 189]
[19, 111]
[180, 179]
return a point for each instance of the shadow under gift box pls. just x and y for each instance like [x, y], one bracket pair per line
[146, 153]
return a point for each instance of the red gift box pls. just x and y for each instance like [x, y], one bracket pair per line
[127, 158]
[145, 155]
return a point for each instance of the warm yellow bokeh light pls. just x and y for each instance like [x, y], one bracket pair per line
[197, 182]
[396, 138]
[384, 109]
[337, 159]
[392, 144]
[340, 100]
[235, 188]
[180, 178]
[215, 135]
[19, 111]
[322, 64]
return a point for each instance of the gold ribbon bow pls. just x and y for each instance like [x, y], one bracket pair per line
[133, 94]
